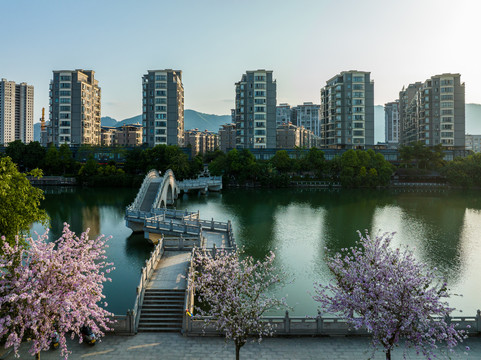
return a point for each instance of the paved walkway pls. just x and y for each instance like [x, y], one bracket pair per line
[215, 237]
[171, 270]
[169, 346]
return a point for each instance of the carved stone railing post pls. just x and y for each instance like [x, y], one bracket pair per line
[287, 323]
[319, 323]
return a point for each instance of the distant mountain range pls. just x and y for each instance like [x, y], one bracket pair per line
[197, 120]
[192, 120]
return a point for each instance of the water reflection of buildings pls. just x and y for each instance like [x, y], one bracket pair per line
[91, 219]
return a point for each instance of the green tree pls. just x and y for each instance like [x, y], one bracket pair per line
[89, 169]
[52, 161]
[34, 156]
[282, 162]
[218, 165]
[20, 201]
[65, 158]
[16, 151]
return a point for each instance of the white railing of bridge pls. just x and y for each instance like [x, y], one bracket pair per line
[167, 175]
[159, 223]
[200, 182]
[152, 174]
[176, 214]
[301, 325]
[145, 275]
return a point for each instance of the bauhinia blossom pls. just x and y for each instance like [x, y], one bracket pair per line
[232, 293]
[52, 287]
[391, 294]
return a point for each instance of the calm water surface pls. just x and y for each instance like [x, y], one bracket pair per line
[443, 228]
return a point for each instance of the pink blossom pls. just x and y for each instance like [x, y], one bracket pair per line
[52, 287]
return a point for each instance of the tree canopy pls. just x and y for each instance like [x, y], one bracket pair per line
[20, 201]
[52, 287]
[393, 296]
[233, 293]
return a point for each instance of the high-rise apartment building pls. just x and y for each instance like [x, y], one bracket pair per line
[308, 117]
[163, 108]
[16, 112]
[256, 110]
[347, 110]
[391, 117]
[433, 112]
[74, 109]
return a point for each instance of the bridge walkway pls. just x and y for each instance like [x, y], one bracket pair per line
[170, 272]
[149, 196]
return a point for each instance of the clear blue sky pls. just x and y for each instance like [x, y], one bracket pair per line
[214, 42]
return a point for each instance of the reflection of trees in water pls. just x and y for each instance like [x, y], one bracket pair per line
[137, 249]
[81, 208]
[254, 210]
[442, 218]
[440, 214]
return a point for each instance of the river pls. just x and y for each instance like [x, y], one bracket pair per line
[443, 228]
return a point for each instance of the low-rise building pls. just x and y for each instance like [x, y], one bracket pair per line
[107, 134]
[473, 143]
[201, 141]
[290, 136]
[308, 117]
[128, 135]
[227, 136]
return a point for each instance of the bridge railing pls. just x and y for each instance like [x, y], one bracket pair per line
[152, 174]
[296, 325]
[200, 182]
[176, 214]
[137, 214]
[181, 242]
[145, 275]
[186, 227]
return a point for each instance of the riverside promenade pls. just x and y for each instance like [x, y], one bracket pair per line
[172, 346]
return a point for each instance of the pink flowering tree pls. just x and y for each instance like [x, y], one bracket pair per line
[52, 287]
[393, 296]
[232, 293]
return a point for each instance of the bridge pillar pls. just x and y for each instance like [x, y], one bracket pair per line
[135, 226]
[152, 237]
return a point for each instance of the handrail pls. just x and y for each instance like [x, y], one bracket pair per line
[145, 275]
[189, 294]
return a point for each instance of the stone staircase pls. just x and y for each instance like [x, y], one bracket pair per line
[162, 310]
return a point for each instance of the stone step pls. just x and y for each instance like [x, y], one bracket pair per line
[165, 290]
[159, 329]
[159, 324]
[163, 301]
[176, 296]
[158, 306]
[167, 320]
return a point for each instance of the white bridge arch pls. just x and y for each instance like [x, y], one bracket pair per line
[167, 192]
[159, 191]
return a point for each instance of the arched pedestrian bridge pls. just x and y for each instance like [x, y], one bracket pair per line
[149, 213]
[159, 191]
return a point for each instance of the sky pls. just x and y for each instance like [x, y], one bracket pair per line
[214, 42]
